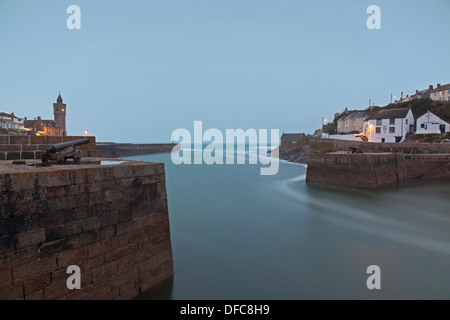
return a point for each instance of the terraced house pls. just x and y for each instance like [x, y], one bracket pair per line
[441, 93]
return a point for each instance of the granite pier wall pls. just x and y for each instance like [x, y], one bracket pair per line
[370, 171]
[109, 220]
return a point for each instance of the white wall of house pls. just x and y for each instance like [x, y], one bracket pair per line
[385, 131]
[431, 123]
[13, 123]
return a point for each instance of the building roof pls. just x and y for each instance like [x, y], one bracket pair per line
[292, 135]
[390, 114]
[31, 123]
[9, 115]
[440, 88]
[429, 112]
[59, 99]
[357, 114]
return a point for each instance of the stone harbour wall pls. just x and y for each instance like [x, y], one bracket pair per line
[369, 171]
[18, 147]
[427, 166]
[110, 220]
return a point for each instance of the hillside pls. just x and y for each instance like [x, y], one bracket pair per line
[420, 106]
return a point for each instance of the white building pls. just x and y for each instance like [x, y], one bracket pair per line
[389, 125]
[441, 93]
[10, 121]
[431, 123]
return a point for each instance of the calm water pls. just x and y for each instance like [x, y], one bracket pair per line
[239, 235]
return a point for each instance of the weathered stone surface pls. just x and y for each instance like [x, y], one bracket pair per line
[30, 238]
[10, 147]
[19, 139]
[112, 221]
[369, 171]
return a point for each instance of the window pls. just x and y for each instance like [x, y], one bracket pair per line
[378, 122]
[422, 125]
[378, 130]
[406, 121]
[392, 121]
[391, 129]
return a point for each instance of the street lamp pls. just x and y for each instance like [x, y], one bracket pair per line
[86, 132]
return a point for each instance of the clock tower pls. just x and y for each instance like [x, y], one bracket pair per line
[59, 111]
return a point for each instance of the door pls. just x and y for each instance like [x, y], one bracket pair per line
[442, 128]
[398, 139]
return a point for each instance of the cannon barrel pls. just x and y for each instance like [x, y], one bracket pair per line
[60, 146]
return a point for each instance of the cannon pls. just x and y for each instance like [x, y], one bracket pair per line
[63, 151]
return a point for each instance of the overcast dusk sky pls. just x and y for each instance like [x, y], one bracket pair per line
[137, 70]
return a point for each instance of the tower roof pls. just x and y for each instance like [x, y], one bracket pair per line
[59, 99]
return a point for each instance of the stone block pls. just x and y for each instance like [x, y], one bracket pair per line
[9, 147]
[56, 232]
[99, 248]
[36, 285]
[5, 279]
[30, 238]
[18, 257]
[37, 139]
[15, 155]
[108, 219]
[141, 170]
[79, 226]
[33, 269]
[72, 256]
[53, 139]
[29, 147]
[12, 293]
[19, 139]
[123, 171]
[38, 295]
[4, 139]
[28, 155]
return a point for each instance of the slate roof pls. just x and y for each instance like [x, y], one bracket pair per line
[445, 86]
[390, 114]
[31, 123]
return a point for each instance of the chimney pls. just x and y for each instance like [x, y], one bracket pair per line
[438, 85]
[417, 91]
[25, 118]
[39, 117]
[430, 87]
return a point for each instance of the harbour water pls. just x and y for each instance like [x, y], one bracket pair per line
[239, 235]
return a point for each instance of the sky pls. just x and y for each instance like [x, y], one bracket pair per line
[138, 70]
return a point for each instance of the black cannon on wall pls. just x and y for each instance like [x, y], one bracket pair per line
[63, 151]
